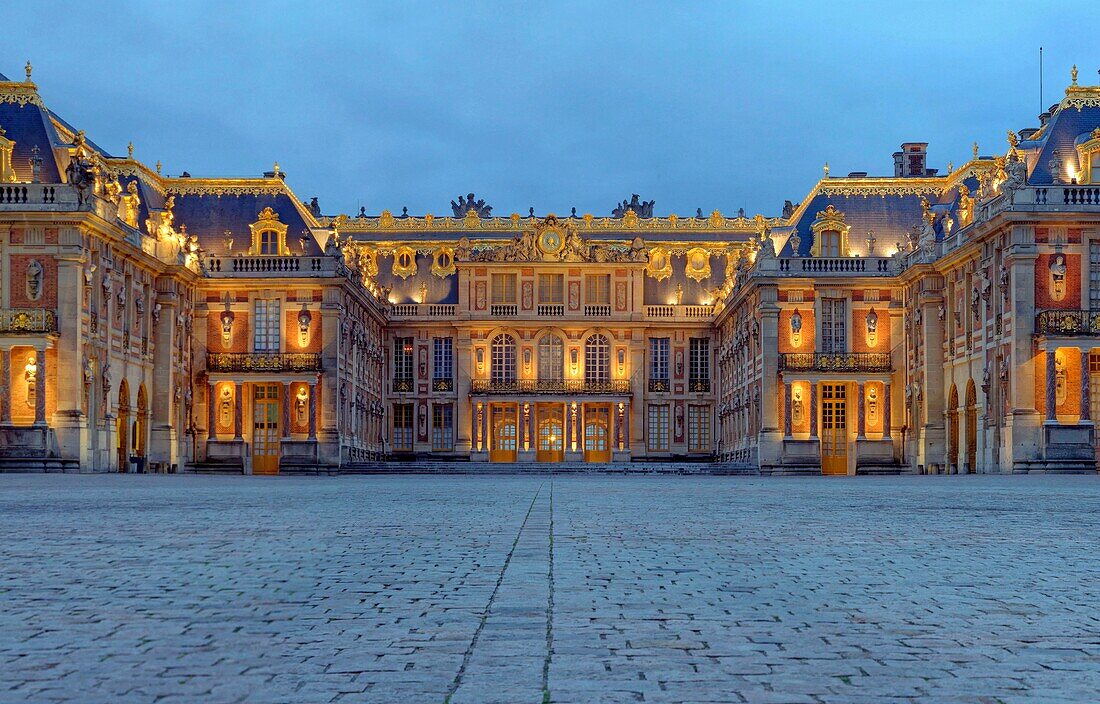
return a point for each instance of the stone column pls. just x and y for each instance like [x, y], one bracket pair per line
[69, 421]
[286, 410]
[164, 435]
[1051, 382]
[5, 389]
[211, 412]
[813, 409]
[626, 427]
[465, 409]
[313, 410]
[770, 444]
[238, 411]
[861, 413]
[40, 388]
[475, 429]
[887, 434]
[1086, 411]
[787, 410]
[567, 441]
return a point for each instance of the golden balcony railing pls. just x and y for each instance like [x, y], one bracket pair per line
[1068, 322]
[550, 386]
[835, 362]
[278, 362]
[23, 320]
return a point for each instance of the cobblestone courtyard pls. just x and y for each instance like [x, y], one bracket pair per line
[537, 589]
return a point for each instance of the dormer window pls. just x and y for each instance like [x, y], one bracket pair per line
[268, 235]
[830, 243]
[1088, 155]
[269, 242]
[830, 234]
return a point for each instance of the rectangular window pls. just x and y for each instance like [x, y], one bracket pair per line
[698, 428]
[402, 427]
[504, 288]
[833, 327]
[699, 364]
[658, 363]
[443, 439]
[403, 364]
[443, 358]
[551, 288]
[269, 242]
[266, 325]
[1094, 275]
[597, 289]
[657, 436]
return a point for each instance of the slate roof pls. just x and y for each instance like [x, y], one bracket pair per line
[1067, 124]
[208, 216]
[28, 126]
[889, 217]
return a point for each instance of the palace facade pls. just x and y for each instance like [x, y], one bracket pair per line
[912, 323]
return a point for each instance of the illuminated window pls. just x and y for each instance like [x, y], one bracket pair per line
[265, 336]
[658, 358]
[833, 328]
[699, 361]
[443, 354]
[551, 288]
[698, 428]
[269, 242]
[657, 437]
[551, 358]
[597, 359]
[597, 289]
[504, 288]
[830, 243]
[442, 427]
[402, 427]
[502, 367]
[403, 362]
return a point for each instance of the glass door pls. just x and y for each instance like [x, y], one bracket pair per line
[597, 432]
[502, 420]
[550, 418]
[265, 429]
[834, 430]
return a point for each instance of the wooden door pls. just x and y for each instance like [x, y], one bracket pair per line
[503, 433]
[597, 432]
[265, 429]
[834, 430]
[550, 420]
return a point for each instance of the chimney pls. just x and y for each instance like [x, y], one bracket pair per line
[911, 160]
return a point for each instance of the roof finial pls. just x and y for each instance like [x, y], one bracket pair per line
[1072, 74]
[158, 167]
[975, 151]
[29, 68]
[826, 168]
[130, 150]
[950, 167]
[276, 168]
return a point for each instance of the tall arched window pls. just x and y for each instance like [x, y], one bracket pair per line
[503, 359]
[551, 358]
[597, 363]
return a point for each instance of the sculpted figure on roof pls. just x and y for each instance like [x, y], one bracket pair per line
[643, 209]
[464, 205]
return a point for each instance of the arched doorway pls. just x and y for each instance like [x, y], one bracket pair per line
[971, 428]
[141, 425]
[952, 464]
[122, 424]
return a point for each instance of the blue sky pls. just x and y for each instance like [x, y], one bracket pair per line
[549, 104]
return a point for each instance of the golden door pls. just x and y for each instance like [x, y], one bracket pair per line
[503, 427]
[551, 428]
[265, 429]
[834, 430]
[597, 432]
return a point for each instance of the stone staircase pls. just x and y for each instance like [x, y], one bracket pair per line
[466, 467]
[1055, 466]
[15, 465]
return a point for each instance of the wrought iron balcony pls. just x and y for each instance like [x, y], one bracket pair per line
[21, 320]
[1068, 323]
[443, 384]
[263, 362]
[835, 362]
[659, 385]
[550, 386]
[403, 385]
[699, 385]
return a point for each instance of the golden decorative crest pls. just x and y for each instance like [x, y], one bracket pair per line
[697, 264]
[716, 219]
[630, 219]
[659, 266]
[471, 221]
[443, 261]
[404, 262]
[385, 220]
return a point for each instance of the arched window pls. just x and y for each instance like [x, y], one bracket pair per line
[597, 367]
[503, 359]
[551, 358]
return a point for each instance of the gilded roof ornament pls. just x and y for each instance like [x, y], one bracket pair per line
[130, 150]
[1072, 75]
[975, 150]
[30, 68]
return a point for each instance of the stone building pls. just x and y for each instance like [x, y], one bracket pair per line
[911, 323]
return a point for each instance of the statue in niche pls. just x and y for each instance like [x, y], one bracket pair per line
[872, 404]
[872, 327]
[1060, 378]
[796, 328]
[30, 374]
[1058, 277]
[35, 273]
[797, 409]
[225, 408]
[88, 371]
[301, 405]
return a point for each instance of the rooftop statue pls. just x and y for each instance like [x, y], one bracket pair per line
[464, 205]
[643, 209]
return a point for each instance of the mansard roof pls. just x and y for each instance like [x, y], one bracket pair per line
[1076, 115]
[27, 123]
[209, 210]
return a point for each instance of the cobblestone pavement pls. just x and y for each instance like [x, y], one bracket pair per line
[535, 589]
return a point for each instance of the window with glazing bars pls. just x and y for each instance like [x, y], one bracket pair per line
[658, 358]
[699, 359]
[443, 358]
[265, 336]
[551, 358]
[833, 327]
[597, 359]
[502, 364]
[698, 428]
[403, 358]
[504, 288]
[442, 427]
[1094, 275]
[402, 426]
[551, 288]
[597, 289]
[657, 435]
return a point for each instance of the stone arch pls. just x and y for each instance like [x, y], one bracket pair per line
[971, 427]
[122, 426]
[952, 463]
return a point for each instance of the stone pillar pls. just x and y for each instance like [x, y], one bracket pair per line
[1086, 411]
[465, 409]
[238, 411]
[211, 412]
[40, 388]
[69, 421]
[770, 447]
[567, 442]
[861, 413]
[5, 388]
[164, 436]
[475, 428]
[787, 410]
[286, 410]
[887, 434]
[813, 409]
[313, 410]
[1051, 383]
